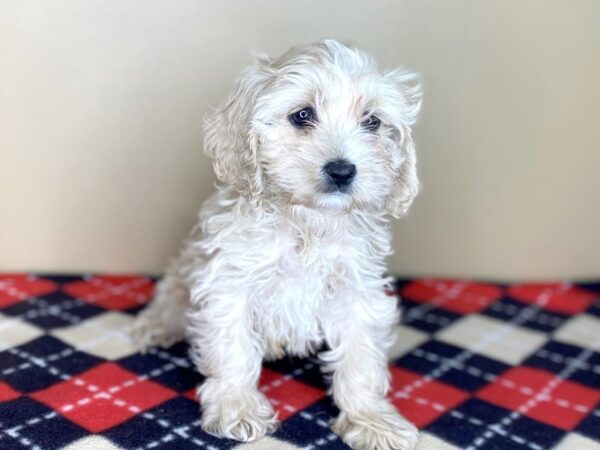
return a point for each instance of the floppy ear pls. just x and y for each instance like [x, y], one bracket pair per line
[406, 184]
[405, 94]
[229, 137]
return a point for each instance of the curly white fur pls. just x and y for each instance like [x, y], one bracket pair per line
[277, 263]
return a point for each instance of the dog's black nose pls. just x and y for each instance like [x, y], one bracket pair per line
[340, 172]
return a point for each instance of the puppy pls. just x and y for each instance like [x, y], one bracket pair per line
[313, 154]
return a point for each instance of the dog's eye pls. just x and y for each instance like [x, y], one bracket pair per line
[371, 123]
[303, 118]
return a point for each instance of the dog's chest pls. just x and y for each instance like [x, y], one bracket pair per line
[301, 281]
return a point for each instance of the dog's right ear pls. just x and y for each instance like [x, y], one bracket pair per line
[404, 97]
[229, 137]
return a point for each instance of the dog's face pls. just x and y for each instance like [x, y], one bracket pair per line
[319, 127]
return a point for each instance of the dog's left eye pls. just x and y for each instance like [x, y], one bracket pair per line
[303, 118]
[371, 123]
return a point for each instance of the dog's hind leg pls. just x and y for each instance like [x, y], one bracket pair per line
[163, 321]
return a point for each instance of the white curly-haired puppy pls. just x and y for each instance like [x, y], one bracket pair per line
[313, 153]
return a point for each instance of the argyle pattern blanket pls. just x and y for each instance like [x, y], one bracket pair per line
[476, 366]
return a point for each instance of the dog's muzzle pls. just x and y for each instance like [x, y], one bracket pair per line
[339, 174]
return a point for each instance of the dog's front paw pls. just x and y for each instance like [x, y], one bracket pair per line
[245, 418]
[377, 430]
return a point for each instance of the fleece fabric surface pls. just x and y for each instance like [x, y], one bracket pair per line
[476, 366]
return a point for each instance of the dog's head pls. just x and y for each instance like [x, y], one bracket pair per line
[321, 127]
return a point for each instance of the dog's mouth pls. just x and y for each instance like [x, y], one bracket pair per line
[336, 190]
[335, 200]
[326, 199]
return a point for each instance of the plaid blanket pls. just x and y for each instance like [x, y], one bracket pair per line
[476, 366]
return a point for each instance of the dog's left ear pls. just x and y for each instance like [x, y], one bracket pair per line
[405, 94]
[229, 136]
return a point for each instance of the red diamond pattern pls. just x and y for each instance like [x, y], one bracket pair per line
[103, 397]
[7, 393]
[287, 395]
[191, 394]
[558, 402]
[556, 297]
[18, 287]
[113, 292]
[422, 401]
[461, 297]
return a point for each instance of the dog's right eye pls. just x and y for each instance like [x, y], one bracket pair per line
[303, 118]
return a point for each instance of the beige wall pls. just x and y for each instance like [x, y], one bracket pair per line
[101, 103]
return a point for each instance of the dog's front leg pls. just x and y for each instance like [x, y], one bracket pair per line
[229, 354]
[359, 334]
